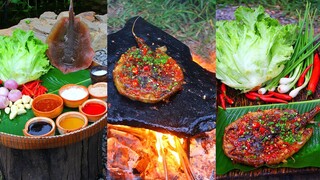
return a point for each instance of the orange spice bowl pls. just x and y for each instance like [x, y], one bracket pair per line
[39, 124]
[94, 109]
[71, 121]
[73, 95]
[47, 105]
[98, 91]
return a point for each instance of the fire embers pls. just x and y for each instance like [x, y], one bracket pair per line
[142, 153]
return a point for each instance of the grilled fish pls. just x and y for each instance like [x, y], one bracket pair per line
[267, 137]
[145, 75]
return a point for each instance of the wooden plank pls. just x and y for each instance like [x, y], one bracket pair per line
[81, 160]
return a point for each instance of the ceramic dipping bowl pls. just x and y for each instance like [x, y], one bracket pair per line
[47, 105]
[73, 95]
[98, 91]
[93, 109]
[71, 121]
[39, 127]
[98, 74]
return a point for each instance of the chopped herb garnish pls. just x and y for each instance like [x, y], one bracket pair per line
[270, 123]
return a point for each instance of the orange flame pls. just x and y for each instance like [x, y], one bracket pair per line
[167, 141]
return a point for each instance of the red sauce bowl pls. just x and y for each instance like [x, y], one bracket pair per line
[94, 109]
[47, 105]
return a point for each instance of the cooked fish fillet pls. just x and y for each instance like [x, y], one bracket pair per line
[267, 137]
[147, 76]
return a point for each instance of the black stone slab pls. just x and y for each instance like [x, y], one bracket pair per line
[189, 112]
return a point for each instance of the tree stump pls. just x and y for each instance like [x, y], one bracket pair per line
[81, 160]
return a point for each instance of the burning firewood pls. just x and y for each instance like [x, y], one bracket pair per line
[153, 155]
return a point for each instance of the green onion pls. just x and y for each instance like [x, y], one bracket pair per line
[303, 50]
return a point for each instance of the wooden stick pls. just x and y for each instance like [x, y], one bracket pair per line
[184, 159]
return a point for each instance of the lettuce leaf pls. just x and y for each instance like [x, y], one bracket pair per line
[252, 49]
[22, 57]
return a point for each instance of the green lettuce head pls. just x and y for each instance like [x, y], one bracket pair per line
[252, 49]
[22, 57]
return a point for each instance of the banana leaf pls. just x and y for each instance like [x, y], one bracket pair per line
[53, 80]
[305, 157]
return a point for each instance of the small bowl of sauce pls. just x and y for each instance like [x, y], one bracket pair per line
[98, 91]
[47, 105]
[71, 121]
[98, 74]
[93, 109]
[73, 95]
[39, 127]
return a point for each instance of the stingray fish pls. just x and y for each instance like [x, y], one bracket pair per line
[69, 44]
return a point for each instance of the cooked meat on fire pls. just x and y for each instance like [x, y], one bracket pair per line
[147, 76]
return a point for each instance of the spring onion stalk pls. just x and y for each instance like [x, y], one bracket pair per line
[272, 89]
[303, 49]
[293, 93]
[284, 88]
[286, 80]
[290, 80]
[262, 90]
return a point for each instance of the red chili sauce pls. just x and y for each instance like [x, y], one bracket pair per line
[46, 104]
[93, 108]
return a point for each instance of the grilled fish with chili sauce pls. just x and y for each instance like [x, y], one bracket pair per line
[147, 76]
[267, 137]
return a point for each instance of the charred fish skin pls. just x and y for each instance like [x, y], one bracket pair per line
[267, 137]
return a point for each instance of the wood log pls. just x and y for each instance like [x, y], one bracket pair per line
[81, 160]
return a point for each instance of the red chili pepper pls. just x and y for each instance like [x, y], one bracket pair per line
[223, 88]
[241, 131]
[258, 95]
[255, 125]
[280, 95]
[314, 76]
[223, 101]
[26, 90]
[135, 70]
[229, 100]
[262, 129]
[32, 84]
[272, 100]
[33, 88]
[135, 83]
[1, 81]
[251, 97]
[303, 75]
[146, 68]
[144, 51]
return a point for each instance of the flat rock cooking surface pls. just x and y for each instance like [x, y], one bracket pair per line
[188, 112]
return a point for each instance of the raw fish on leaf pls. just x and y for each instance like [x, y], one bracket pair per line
[69, 44]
